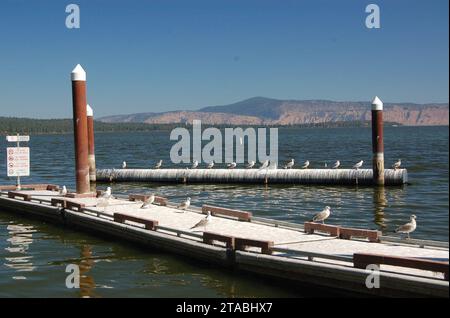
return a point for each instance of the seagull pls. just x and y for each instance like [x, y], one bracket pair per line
[124, 165]
[264, 165]
[194, 164]
[397, 164]
[250, 165]
[289, 165]
[158, 165]
[325, 165]
[184, 205]
[322, 216]
[210, 165]
[231, 165]
[103, 202]
[358, 165]
[63, 191]
[408, 227]
[107, 193]
[148, 202]
[203, 222]
[336, 164]
[305, 165]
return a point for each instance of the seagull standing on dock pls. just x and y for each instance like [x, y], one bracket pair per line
[194, 164]
[210, 165]
[264, 165]
[397, 164]
[232, 165]
[203, 222]
[358, 165]
[63, 191]
[305, 165]
[124, 165]
[158, 164]
[289, 165]
[250, 165]
[148, 202]
[184, 205]
[408, 227]
[107, 193]
[336, 164]
[322, 216]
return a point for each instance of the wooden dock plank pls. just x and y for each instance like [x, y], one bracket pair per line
[311, 227]
[149, 224]
[240, 215]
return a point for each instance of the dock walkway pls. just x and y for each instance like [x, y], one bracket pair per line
[319, 259]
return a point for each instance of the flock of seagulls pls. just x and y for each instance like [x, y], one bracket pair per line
[289, 165]
[321, 216]
[407, 228]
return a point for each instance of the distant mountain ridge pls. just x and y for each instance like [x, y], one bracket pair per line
[268, 111]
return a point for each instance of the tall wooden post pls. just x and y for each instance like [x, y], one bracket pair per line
[91, 147]
[78, 77]
[377, 142]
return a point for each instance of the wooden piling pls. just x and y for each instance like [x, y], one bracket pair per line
[91, 141]
[78, 77]
[377, 142]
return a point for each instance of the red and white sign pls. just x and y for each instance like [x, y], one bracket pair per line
[18, 161]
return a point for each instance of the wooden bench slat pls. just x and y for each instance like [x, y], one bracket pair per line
[149, 224]
[24, 196]
[242, 243]
[361, 260]
[209, 238]
[56, 201]
[311, 227]
[240, 215]
[348, 233]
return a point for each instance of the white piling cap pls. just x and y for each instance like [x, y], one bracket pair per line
[78, 74]
[89, 111]
[377, 104]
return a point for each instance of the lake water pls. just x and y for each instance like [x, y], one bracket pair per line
[34, 254]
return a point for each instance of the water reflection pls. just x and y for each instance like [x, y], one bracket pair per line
[20, 239]
[380, 204]
[87, 283]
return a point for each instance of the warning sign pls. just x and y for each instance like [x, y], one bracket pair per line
[18, 161]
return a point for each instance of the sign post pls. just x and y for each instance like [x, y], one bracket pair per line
[18, 158]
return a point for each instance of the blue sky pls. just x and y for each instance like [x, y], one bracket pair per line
[144, 56]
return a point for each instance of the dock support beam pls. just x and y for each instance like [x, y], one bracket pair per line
[91, 147]
[78, 77]
[377, 142]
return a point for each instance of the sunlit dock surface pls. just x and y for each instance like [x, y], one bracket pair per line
[255, 176]
[295, 256]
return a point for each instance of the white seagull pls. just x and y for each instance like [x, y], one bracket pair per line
[231, 165]
[63, 191]
[397, 164]
[305, 165]
[203, 222]
[264, 165]
[250, 165]
[322, 216]
[210, 165]
[289, 165]
[185, 204]
[148, 202]
[408, 227]
[158, 164]
[358, 165]
[124, 165]
[194, 164]
[107, 193]
[336, 164]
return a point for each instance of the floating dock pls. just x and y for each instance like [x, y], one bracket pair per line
[312, 254]
[253, 176]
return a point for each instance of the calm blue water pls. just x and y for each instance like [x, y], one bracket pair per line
[34, 254]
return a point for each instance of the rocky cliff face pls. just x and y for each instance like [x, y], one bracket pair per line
[260, 111]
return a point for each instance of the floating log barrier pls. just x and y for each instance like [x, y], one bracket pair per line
[254, 176]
